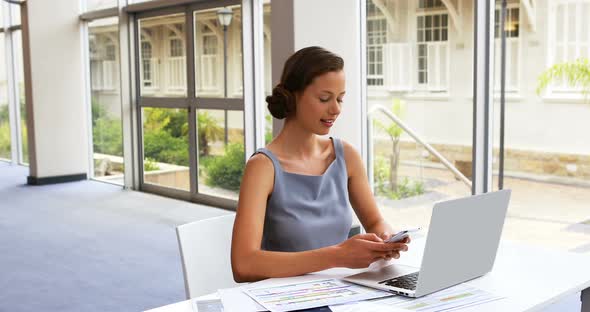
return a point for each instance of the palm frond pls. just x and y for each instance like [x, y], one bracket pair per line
[575, 74]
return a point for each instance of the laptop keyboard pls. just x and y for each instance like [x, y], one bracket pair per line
[406, 281]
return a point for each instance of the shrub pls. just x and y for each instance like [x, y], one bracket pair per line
[163, 147]
[4, 140]
[150, 165]
[226, 171]
[108, 137]
[405, 188]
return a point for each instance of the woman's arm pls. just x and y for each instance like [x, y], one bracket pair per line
[250, 263]
[364, 205]
[361, 196]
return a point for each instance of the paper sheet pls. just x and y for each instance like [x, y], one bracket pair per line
[450, 299]
[310, 294]
[236, 300]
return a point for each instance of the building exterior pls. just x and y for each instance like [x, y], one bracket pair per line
[421, 52]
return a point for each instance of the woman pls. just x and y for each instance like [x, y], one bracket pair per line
[294, 213]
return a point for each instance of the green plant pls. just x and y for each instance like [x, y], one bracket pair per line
[226, 171]
[405, 187]
[576, 73]
[380, 174]
[394, 132]
[163, 147]
[268, 128]
[409, 189]
[4, 140]
[108, 137]
[150, 165]
[208, 130]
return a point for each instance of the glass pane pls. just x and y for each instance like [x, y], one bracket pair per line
[162, 64]
[216, 61]
[220, 137]
[407, 179]
[20, 74]
[100, 4]
[107, 134]
[165, 147]
[546, 157]
[15, 14]
[5, 149]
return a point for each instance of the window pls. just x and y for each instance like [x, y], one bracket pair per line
[433, 51]
[176, 49]
[147, 62]
[107, 134]
[429, 4]
[111, 52]
[511, 29]
[376, 38]
[162, 56]
[5, 142]
[571, 37]
[210, 65]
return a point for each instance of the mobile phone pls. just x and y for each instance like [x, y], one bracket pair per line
[401, 235]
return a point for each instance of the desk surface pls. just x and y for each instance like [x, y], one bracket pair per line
[530, 278]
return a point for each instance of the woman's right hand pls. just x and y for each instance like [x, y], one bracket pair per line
[361, 250]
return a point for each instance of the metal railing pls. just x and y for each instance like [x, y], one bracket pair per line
[410, 132]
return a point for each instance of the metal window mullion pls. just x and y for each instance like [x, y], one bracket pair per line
[366, 133]
[13, 103]
[192, 111]
[88, 96]
[251, 89]
[482, 97]
[127, 98]
[258, 75]
[98, 14]
[163, 102]
[139, 156]
[220, 103]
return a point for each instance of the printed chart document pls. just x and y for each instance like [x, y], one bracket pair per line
[311, 294]
[450, 299]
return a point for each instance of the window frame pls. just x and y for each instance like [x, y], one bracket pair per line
[554, 91]
[426, 87]
[378, 48]
[514, 88]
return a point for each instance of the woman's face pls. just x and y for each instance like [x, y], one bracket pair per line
[319, 105]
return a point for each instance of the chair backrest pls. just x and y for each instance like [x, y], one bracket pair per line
[205, 248]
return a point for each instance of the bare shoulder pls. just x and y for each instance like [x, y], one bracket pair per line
[350, 153]
[353, 159]
[259, 173]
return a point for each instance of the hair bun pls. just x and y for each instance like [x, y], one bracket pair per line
[281, 102]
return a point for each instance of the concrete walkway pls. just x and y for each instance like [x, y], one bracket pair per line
[541, 214]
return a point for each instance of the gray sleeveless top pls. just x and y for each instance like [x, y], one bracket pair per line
[307, 212]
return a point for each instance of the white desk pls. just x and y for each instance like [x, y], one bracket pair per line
[530, 278]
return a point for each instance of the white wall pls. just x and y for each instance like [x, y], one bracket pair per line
[57, 89]
[335, 25]
[533, 122]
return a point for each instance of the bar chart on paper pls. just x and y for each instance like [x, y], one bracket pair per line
[450, 299]
[312, 294]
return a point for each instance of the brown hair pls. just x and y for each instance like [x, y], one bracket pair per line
[299, 71]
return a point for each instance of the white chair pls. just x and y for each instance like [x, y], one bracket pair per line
[205, 248]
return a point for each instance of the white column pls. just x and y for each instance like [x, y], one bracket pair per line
[336, 26]
[54, 87]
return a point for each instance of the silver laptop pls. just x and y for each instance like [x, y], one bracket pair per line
[461, 244]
